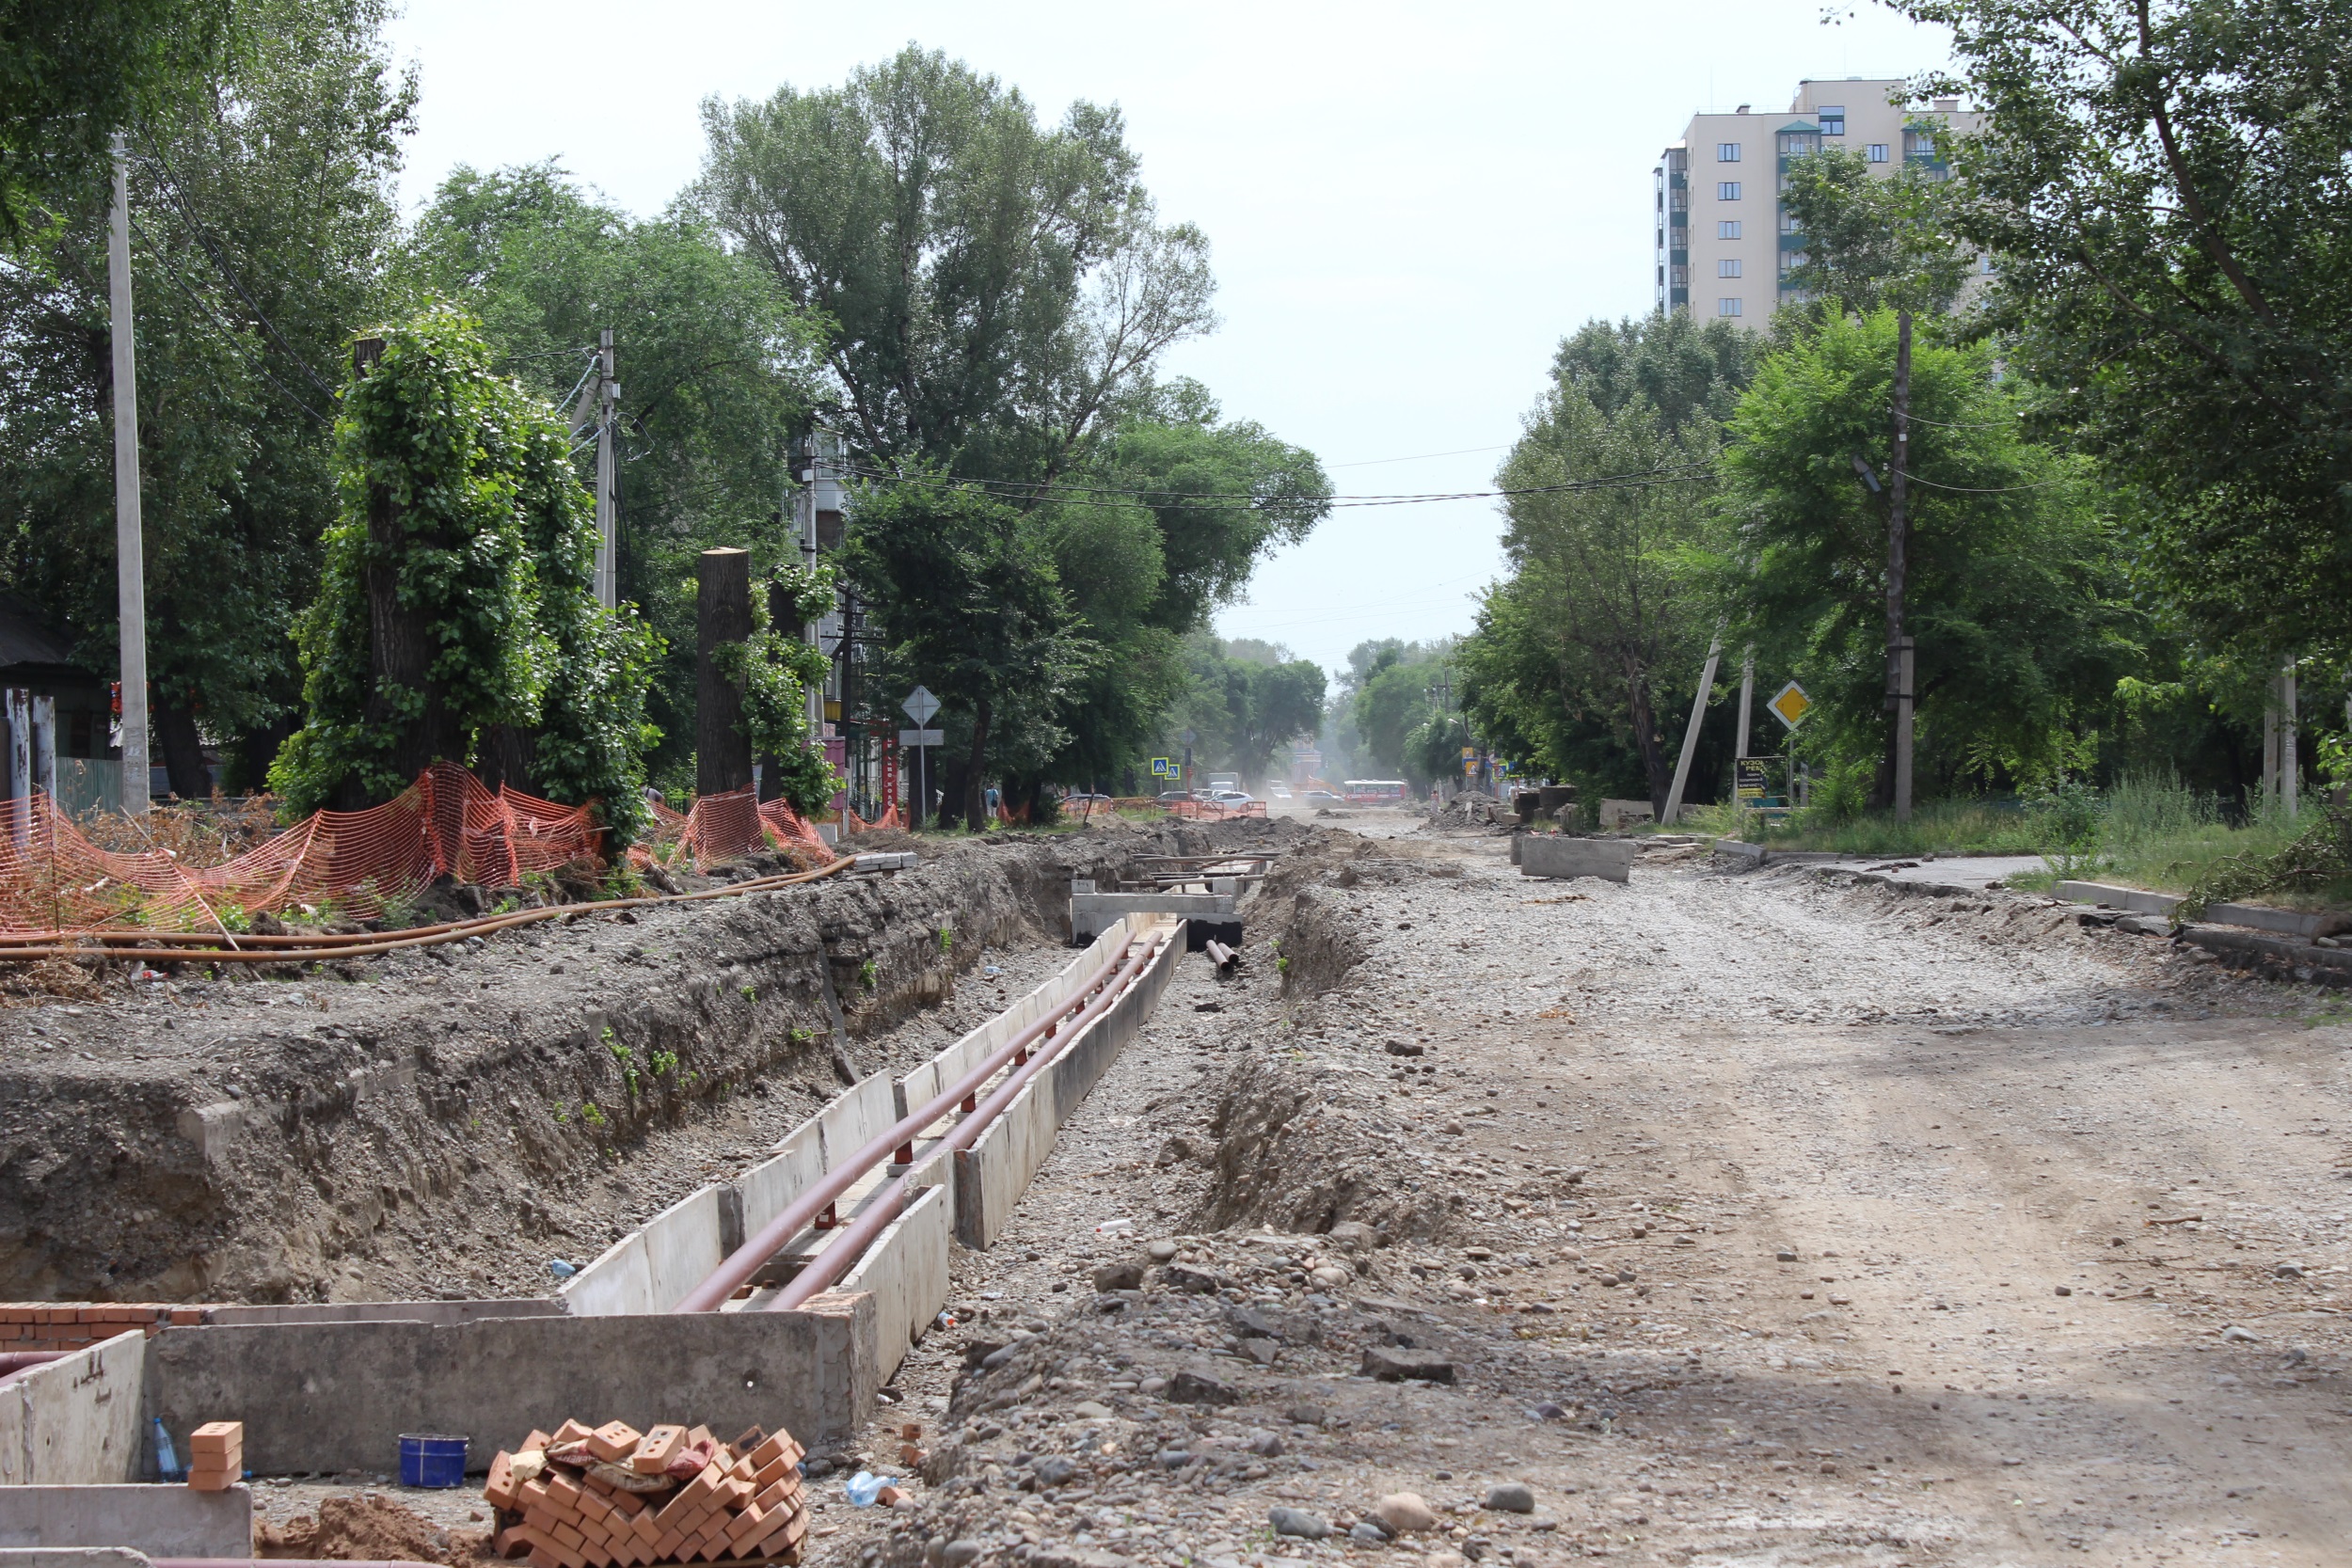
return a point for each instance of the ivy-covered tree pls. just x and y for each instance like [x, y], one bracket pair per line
[455, 594]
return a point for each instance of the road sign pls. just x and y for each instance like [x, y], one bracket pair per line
[922, 737]
[1189, 737]
[920, 705]
[1163, 767]
[1789, 705]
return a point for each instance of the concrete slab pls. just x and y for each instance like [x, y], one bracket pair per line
[949, 1067]
[157, 1521]
[78, 1421]
[72, 1557]
[2256, 917]
[336, 1396]
[1553, 855]
[652, 1268]
[384, 1312]
[1092, 913]
[905, 1271]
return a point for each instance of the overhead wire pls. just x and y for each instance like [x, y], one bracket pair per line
[1025, 490]
[233, 333]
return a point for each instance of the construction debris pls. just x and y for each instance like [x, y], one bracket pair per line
[611, 1496]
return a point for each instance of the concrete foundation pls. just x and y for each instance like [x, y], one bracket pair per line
[1543, 855]
[155, 1521]
[76, 1421]
[338, 1396]
[1092, 913]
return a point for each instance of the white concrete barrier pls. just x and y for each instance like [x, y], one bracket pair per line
[906, 1273]
[157, 1521]
[948, 1067]
[1544, 855]
[78, 1421]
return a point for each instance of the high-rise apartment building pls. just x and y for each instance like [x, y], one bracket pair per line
[1725, 243]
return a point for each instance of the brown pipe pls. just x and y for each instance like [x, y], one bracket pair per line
[337, 946]
[886, 1206]
[714, 1292]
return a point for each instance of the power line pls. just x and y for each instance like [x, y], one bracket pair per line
[1996, 490]
[1023, 490]
[232, 334]
[1459, 452]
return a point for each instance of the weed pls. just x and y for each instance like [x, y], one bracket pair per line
[801, 1037]
[947, 938]
[664, 1063]
[865, 973]
[590, 1114]
[750, 995]
[562, 1114]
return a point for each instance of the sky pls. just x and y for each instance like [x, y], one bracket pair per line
[1409, 206]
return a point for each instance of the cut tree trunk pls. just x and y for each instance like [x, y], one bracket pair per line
[184, 749]
[723, 614]
[975, 785]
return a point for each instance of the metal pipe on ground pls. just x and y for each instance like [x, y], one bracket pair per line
[851, 1241]
[1220, 955]
[736, 1271]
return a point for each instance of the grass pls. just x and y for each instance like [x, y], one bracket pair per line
[2149, 831]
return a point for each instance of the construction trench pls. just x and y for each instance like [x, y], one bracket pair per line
[1718, 1215]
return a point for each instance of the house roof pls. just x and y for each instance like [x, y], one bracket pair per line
[29, 640]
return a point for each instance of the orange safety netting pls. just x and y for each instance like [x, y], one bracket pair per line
[349, 864]
[721, 827]
[890, 820]
[1212, 811]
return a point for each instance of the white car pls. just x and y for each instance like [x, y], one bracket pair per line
[1281, 792]
[1233, 798]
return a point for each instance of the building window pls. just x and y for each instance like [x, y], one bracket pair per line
[1726, 152]
[1876, 153]
[1728, 267]
[1678, 276]
[1918, 144]
[1989, 268]
[1797, 144]
[1726, 308]
[1727, 190]
[1727, 228]
[1833, 119]
[1787, 221]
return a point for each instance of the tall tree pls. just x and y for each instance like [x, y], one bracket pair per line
[1873, 241]
[997, 288]
[2017, 591]
[74, 72]
[965, 591]
[2164, 186]
[262, 211]
[717, 369]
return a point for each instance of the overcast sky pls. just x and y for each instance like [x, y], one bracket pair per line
[1409, 206]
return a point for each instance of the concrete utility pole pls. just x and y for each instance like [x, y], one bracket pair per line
[130, 539]
[1691, 733]
[607, 500]
[1899, 660]
[2290, 783]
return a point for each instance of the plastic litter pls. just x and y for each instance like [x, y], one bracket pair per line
[1112, 1228]
[863, 1488]
[562, 1270]
[168, 1465]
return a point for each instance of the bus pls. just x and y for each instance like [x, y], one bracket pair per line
[1374, 792]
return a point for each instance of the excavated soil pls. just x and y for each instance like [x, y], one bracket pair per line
[447, 1122]
[1766, 1219]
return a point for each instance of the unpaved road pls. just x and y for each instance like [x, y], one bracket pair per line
[1909, 1230]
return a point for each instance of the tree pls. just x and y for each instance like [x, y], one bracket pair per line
[997, 288]
[2017, 594]
[1392, 701]
[717, 368]
[1873, 243]
[963, 591]
[1248, 701]
[261, 213]
[2164, 185]
[456, 594]
[1682, 368]
[73, 73]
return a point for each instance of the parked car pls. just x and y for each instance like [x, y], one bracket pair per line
[1175, 796]
[1232, 797]
[1279, 791]
[1319, 798]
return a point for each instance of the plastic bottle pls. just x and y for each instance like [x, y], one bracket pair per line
[863, 1488]
[166, 1461]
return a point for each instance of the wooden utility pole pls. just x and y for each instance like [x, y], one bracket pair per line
[723, 614]
[1900, 662]
[129, 538]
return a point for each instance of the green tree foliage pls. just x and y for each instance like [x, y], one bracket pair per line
[72, 72]
[262, 211]
[998, 289]
[2165, 185]
[1873, 243]
[456, 594]
[965, 592]
[1575, 653]
[1248, 701]
[716, 366]
[775, 669]
[2016, 591]
[1389, 700]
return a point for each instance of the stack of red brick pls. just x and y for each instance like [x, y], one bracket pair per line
[29, 1326]
[611, 1496]
[217, 1456]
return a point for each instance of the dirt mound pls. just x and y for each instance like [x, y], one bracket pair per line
[370, 1528]
[1472, 808]
[22, 985]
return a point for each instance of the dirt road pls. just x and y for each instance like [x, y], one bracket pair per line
[1753, 1219]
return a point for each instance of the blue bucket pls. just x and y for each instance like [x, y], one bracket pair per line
[432, 1459]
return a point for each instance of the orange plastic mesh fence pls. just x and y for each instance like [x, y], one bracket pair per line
[890, 818]
[350, 863]
[721, 827]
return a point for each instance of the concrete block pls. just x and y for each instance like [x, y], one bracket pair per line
[905, 1271]
[1734, 849]
[156, 1521]
[72, 1557]
[78, 1421]
[950, 1066]
[887, 860]
[2134, 899]
[1092, 913]
[338, 1396]
[1617, 814]
[1610, 858]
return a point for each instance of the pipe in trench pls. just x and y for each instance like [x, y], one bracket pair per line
[715, 1291]
[859, 1234]
[284, 1563]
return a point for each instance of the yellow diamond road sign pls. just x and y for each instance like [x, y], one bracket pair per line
[1791, 703]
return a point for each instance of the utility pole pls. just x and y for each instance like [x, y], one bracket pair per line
[1747, 708]
[2289, 782]
[130, 539]
[1899, 660]
[1690, 734]
[607, 507]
